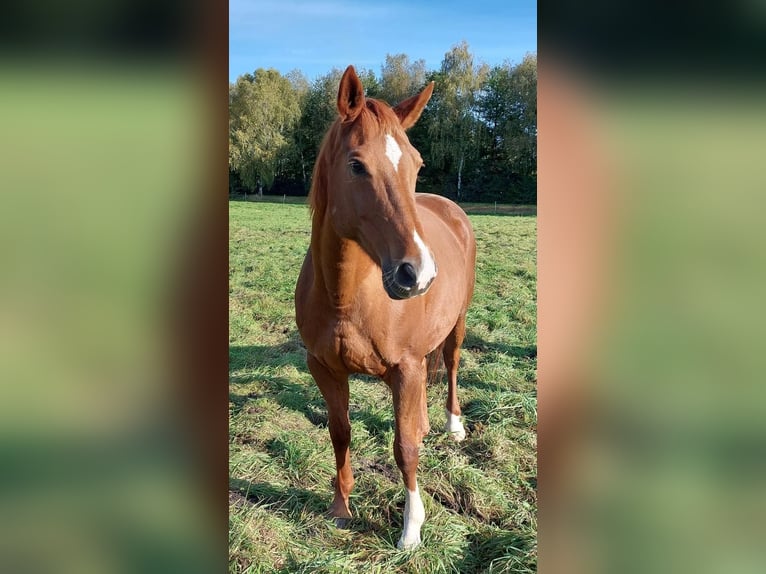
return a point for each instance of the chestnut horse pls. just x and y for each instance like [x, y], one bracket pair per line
[386, 281]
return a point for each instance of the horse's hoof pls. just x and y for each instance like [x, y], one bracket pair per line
[342, 523]
[339, 510]
[457, 436]
[408, 544]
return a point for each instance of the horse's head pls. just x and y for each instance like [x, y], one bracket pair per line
[370, 170]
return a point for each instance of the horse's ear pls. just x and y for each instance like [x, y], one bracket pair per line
[410, 109]
[350, 95]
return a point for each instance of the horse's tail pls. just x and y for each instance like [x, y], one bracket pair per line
[434, 362]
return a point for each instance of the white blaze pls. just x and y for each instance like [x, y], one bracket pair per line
[393, 151]
[427, 264]
[414, 516]
[454, 426]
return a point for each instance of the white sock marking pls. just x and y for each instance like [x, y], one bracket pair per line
[427, 263]
[414, 516]
[393, 151]
[454, 426]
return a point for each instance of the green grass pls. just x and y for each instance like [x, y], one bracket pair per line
[479, 495]
[468, 207]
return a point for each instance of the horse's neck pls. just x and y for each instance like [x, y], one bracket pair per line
[339, 265]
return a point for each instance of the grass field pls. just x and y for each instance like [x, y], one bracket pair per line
[479, 495]
[471, 208]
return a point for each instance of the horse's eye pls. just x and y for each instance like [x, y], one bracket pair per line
[357, 167]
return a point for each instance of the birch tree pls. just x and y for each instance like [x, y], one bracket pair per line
[454, 126]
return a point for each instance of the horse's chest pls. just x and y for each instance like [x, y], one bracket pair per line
[356, 350]
[343, 346]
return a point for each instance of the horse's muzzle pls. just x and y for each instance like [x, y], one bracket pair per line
[401, 281]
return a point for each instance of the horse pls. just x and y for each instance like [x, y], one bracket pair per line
[385, 283]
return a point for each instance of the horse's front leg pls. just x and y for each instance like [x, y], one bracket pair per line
[334, 388]
[407, 381]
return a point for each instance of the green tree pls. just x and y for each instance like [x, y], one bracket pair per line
[370, 82]
[318, 112]
[453, 125]
[507, 106]
[517, 128]
[478, 134]
[263, 111]
[401, 78]
[296, 166]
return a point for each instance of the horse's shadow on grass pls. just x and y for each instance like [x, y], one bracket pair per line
[290, 352]
[257, 363]
[376, 423]
[307, 400]
[304, 397]
[474, 342]
[301, 397]
[296, 502]
[487, 350]
[489, 545]
[293, 501]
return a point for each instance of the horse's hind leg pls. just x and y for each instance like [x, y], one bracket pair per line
[451, 355]
[334, 388]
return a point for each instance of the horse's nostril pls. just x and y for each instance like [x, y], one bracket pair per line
[406, 276]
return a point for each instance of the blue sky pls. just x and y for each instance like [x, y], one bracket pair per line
[317, 36]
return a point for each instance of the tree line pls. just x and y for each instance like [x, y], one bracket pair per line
[477, 136]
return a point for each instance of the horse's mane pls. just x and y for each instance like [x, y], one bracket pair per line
[376, 117]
